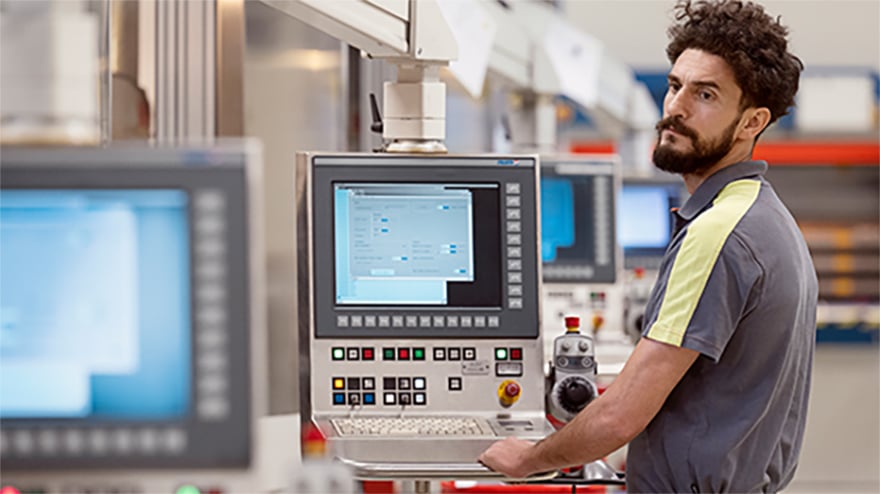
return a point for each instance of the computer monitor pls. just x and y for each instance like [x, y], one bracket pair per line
[644, 219]
[578, 195]
[130, 316]
[419, 294]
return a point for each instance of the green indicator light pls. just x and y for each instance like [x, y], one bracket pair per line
[338, 354]
[419, 353]
[187, 489]
[389, 354]
[500, 354]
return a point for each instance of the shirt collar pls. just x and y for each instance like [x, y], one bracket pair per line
[709, 189]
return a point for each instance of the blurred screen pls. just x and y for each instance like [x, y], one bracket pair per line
[557, 217]
[95, 315]
[643, 219]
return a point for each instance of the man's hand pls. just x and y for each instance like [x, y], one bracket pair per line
[512, 457]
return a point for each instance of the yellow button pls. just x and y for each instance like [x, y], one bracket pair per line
[338, 383]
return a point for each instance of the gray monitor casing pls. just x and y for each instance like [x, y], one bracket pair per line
[222, 180]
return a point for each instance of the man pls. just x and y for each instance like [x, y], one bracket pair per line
[714, 396]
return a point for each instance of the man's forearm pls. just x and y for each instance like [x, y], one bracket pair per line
[593, 434]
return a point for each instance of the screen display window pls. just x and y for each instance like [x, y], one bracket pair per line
[95, 316]
[643, 217]
[412, 244]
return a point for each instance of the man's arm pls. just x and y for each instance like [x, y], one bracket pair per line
[612, 420]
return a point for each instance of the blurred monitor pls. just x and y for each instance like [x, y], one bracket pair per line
[126, 323]
[578, 219]
[644, 219]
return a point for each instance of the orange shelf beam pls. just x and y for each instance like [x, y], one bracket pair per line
[817, 153]
[776, 153]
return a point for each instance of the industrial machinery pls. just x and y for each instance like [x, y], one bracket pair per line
[581, 260]
[132, 320]
[645, 226]
[419, 298]
[573, 379]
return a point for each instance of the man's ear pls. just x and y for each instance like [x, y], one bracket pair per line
[755, 121]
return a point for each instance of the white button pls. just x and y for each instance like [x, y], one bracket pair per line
[418, 383]
[512, 187]
[513, 265]
[514, 239]
[342, 321]
[174, 440]
[122, 441]
[390, 398]
[466, 321]
[397, 321]
[513, 214]
[384, 321]
[211, 315]
[452, 321]
[210, 200]
[514, 226]
[480, 321]
[98, 441]
[439, 321]
[48, 441]
[370, 321]
[419, 398]
[514, 277]
[357, 321]
[514, 290]
[148, 441]
[213, 408]
[494, 321]
[23, 442]
[514, 303]
[74, 441]
[514, 252]
[412, 321]
[513, 201]
[425, 321]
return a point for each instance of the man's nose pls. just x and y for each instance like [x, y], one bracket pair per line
[676, 105]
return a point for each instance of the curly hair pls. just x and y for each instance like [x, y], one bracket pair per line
[749, 40]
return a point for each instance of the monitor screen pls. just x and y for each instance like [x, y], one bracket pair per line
[75, 296]
[644, 220]
[578, 220]
[424, 246]
[126, 318]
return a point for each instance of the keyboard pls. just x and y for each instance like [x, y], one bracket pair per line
[411, 426]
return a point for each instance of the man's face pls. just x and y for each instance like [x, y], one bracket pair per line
[701, 114]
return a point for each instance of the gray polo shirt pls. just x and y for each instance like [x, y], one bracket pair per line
[737, 284]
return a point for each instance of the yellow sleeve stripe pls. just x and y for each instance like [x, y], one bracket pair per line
[697, 256]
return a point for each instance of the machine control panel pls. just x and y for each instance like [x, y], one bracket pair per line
[384, 375]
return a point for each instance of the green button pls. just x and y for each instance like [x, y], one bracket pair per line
[388, 353]
[188, 489]
[500, 354]
[418, 354]
[338, 354]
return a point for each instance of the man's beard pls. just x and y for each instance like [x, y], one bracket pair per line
[704, 155]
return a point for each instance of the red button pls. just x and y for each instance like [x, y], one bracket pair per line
[367, 353]
[512, 389]
[516, 354]
[403, 354]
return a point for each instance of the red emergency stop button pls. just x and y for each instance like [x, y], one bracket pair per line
[508, 392]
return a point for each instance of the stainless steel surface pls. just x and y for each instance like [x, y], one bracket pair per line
[432, 471]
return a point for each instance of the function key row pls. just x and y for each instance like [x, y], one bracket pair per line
[416, 321]
[369, 398]
[369, 383]
[404, 353]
